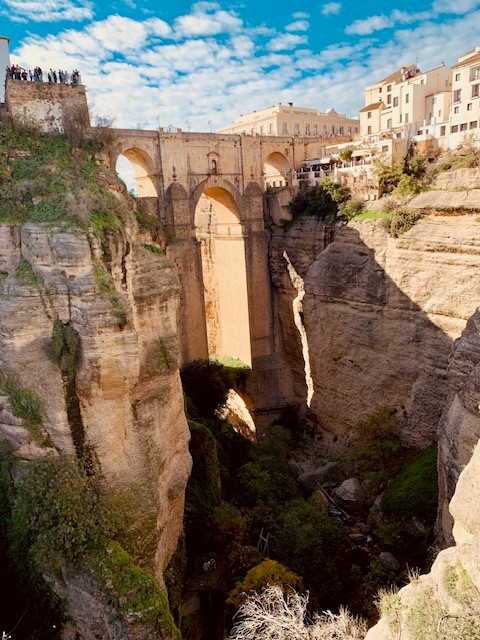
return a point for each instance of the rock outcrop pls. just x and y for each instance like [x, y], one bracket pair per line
[126, 404]
[380, 315]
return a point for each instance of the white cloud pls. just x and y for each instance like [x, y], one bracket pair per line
[298, 25]
[286, 42]
[300, 15]
[47, 10]
[189, 80]
[455, 6]
[377, 23]
[207, 19]
[331, 8]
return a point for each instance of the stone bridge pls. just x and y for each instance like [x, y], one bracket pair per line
[209, 190]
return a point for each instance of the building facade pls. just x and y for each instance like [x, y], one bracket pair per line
[406, 101]
[283, 120]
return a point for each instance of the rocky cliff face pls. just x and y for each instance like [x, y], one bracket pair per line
[380, 314]
[126, 404]
[445, 603]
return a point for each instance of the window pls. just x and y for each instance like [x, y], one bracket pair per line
[475, 74]
[369, 130]
[395, 102]
[406, 118]
[324, 129]
[400, 117]
[340, 131]
[356, 129]
[349, 130]
[369, 114]
[463, 127]
[307, 129]
[261, 131]
[385, 148]
[270, 128]
[475, 90]
[455, 109]
[457, 77]
[389, 123]
[389, 87]
[407, 98]
[443, 131]
[297, 128]
[419, 132]
[454, 129]
[439, 113]
[457, 95]
[213, 167]
[332, 129]
[389, 99]
[284, 127]
[469, 106]
[315, 130]
[473, 125]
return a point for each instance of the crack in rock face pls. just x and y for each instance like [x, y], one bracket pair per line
[297, 306]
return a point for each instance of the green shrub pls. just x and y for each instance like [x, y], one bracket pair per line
[401, 220]
[26, 275]
[407, 185]
[26, 405]
[350, 209]
[268, 573]
[445, 166]
[134, 591]
[377, 451]
[155, 250]
[57, 514]
[65, 348]
[316, 548]
[414, 491]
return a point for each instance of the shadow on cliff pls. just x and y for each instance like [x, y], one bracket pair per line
[369, 344]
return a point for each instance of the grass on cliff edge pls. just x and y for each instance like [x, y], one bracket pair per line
[45, 178]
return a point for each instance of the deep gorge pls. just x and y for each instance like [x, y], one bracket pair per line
[371, 330]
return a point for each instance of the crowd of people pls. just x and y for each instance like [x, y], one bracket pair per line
[16, 72]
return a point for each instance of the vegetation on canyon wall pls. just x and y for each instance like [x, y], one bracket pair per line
[56, 521]
[329, 201]
[49, 178]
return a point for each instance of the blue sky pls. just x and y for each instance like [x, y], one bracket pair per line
[200, 65]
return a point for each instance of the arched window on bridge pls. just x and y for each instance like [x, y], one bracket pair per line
[213, 167]
[137, 170]
[219, 231]
[275, 170]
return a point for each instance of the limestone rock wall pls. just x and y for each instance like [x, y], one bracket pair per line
[127, 380]
[381, 315]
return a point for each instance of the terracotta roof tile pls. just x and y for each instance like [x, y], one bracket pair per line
[396, 76]
[473, 58]
[371, 107]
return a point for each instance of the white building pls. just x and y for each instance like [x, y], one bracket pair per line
[290, 120]
[407, 102]
[4, 63]
[465, 110]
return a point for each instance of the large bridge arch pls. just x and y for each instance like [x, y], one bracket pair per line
[219, 231]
